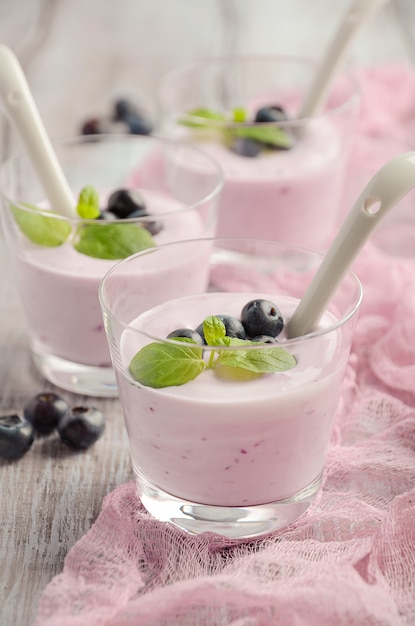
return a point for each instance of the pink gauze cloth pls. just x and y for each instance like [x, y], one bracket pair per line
[351, 559]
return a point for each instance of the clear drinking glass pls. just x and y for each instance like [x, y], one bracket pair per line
[291, 195]
[58, 283]
[232, 451]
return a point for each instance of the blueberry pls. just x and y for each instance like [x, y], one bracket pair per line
[264, 339]
[137, 124]
[81, 427]
[124, 202]
[92, 126]
[272, 113]
[44, 411]
[153, 227]
[246, 147]
[261, 317]
[189, 333]
[234, 328]
[107, 216]
[16, 436]
[122, 108]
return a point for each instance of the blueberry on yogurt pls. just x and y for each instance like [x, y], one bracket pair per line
[271, 113]
[124, 202]
[262, 317]
[187, 333]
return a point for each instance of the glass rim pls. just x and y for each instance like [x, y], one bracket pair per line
[7, 165]
[287, 342]
[349, 102]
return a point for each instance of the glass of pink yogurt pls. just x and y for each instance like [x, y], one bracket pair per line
[227, 436]
[59, 262]
[284, 178]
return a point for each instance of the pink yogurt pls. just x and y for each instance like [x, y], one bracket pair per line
[231, 443]
[59, 288]
[291, 195]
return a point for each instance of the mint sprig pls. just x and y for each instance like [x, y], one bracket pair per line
[269, 135]
[41, 229]
[88, 203]
[165, 365]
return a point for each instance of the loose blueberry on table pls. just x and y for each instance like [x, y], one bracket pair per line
[16, 436]
[81, 427]
[44, 411]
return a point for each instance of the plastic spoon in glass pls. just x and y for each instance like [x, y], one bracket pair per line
[356, 16]
[19, 104]
[393, 181]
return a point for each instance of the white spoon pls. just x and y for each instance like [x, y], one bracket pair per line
[18, 101]
[356, 16]
[385, 189]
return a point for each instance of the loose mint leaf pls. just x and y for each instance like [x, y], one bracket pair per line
[207, 116]
[270, 135]
[40, 229]
[261, 361]
[214, 331]
[112, 241]
[88, 203]
[165, 365]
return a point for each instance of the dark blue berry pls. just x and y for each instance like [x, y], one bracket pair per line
[264, 339]
[262, 317]
[81, 427]
[123, 107]
[153, 227]
[44, 411]
[272, 113]
[246, 147]
[92, 126]
[16, 436]
[124, 202]
[107, 216]
[188, 333]
[234, 328]
[137, 124]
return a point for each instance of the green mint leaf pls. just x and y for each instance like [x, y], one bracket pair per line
[214, 331]
[269, 135]
[165, 365]
[40, 229]
[88, 203]
[206, 118]
[236, 374]
[112, 241]
[239, 114]
[261, 361]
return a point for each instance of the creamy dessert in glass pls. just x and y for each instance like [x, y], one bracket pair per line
[284, 175]
[131, 193]
[228, 420]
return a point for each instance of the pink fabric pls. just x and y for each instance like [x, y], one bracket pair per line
[351, 559]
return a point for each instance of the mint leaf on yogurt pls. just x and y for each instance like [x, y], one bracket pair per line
[88, 203]
[202, 118]
[161, 365]
[264, 361]
[41, 229]
[112, 240]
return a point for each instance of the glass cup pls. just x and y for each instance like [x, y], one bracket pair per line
[233, 450]
[58, 278]
[291, 195]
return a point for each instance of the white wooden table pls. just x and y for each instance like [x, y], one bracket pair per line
[78, 56]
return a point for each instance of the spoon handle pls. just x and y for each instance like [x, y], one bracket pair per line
[384, 190]
[357, 15]
[17, 99]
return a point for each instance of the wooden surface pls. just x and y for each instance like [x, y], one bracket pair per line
[77, 56]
